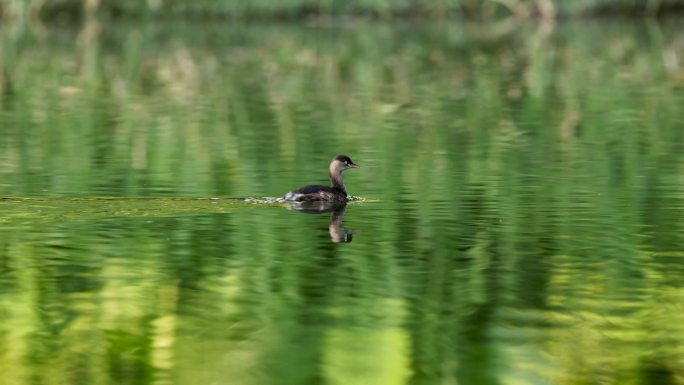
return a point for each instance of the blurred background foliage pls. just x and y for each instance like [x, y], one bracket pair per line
[297, 9]
[529, 228]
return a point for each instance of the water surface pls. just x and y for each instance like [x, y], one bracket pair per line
[522, 223]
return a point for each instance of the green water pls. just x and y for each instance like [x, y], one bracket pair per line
[523, 220]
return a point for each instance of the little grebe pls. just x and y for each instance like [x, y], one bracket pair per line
[336, 193]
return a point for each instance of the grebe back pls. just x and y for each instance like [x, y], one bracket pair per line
[336, 193]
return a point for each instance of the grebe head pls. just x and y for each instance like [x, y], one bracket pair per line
[341, 163]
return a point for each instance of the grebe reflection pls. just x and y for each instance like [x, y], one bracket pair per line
[338, 233]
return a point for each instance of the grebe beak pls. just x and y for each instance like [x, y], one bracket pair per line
[353, 165]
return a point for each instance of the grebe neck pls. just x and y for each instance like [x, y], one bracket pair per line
[336, 179]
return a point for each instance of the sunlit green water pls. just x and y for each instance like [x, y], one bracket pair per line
[523, 223]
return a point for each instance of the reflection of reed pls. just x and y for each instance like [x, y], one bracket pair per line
[180, 104]
[468, 257]
[5, 81]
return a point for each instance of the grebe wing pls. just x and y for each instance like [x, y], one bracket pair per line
[313, 193]
[312, 189]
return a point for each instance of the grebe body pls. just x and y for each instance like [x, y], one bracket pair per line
[337, 193]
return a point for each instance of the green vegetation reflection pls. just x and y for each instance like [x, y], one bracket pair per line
[527, 225]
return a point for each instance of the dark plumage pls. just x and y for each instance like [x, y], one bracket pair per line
[336, 193]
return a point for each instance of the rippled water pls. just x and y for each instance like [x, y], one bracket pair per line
[521, 220]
